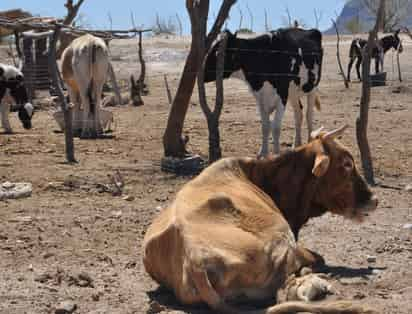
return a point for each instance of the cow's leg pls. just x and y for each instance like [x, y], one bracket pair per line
[298, 112]
[358, 65]
[377, 64]
[309, 112]
[277, 125]
[350, 67]
[85, 116]
[77, 115]
[5, 111]
[97, 97]
[86, 127]
[77, 118]
[265, 124]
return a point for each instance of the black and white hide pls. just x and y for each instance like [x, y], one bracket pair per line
[12, 84]
[279, 67]
[380, 48]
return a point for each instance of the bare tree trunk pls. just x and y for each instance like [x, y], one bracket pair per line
[142, 66]
[212, 117]
[67, 112]
[289, 16]
[251, 17]
[169, 94]
[179, 21]
[173, 142]
[342, 72]
[240, 19]
[72, 11]
[17, 43]
[362, 120]
[267, 28]
[65, 38]
[115, 86]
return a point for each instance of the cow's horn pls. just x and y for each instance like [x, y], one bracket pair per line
[316, 133]
[335, 133]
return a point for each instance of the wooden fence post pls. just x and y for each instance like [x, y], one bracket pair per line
[67, 112]
[362, 120]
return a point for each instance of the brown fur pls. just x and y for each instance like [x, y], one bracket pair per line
[231, 232]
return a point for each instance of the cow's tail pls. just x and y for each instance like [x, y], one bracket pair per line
[90, 88]
[92, 102]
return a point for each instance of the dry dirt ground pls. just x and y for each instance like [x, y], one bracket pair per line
[71, 240]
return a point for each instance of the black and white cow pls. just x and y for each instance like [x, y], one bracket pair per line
[12, 84]
[278, 67]
[378, 52]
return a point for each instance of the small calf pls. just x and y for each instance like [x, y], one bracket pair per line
[12, 87]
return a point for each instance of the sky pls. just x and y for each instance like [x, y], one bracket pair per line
[95, 13]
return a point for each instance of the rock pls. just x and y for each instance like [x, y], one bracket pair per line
[116, 214]
[23, 219]
[408, 188]
[43, 278]
[155, 308]
[376, 271]
[15, 190]
[128, 198]
[8, 185]
[352, 281]
[66, 307]
[48, 255]
[82, 280]
[407, 226]
[371, 259]
[359, 296]
[96, 296]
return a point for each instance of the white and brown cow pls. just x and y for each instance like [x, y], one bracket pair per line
[231, 234]
[13, 89]
[85, 64]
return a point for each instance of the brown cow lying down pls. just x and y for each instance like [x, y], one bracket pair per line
[229, 234]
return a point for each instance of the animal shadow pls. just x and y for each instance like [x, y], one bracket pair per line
[346, 272]
[167, 299]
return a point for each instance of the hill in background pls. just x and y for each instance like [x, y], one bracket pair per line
[356, 18]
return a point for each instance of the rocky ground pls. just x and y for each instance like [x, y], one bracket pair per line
[76, 241]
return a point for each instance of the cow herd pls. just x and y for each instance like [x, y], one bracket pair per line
[231, 234]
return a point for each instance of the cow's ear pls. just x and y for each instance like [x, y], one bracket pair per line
[321, 165]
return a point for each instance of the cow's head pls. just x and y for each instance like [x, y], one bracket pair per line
[12, 78]
[340, 188]
[397, 42]
[232, 61]
[312, 55]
